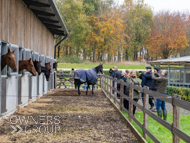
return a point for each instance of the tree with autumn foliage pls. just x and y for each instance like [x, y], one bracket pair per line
[168, 35]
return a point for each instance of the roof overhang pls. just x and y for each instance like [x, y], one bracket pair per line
[48, 14]
[173, 61]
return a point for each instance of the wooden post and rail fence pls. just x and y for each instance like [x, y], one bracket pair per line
[106, 84]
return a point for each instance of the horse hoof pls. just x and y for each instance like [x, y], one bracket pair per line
[79, 94]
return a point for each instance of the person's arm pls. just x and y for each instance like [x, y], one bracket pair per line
[146, 75]
[156, 78]
[143, 81]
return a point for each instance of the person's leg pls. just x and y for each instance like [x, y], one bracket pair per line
[158, 105]
[126, 104]
[118, 88]
[134, 107]
[163, 106]
[151, 102]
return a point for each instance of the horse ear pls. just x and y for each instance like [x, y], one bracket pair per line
[9, 50]
[14, 51]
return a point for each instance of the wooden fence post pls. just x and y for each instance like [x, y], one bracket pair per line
[100, 81]
[121, 91]
[145, 119]
[115, 93]
[176, 118]
[111, 83]
[131, 90]
[55, 86]
[107, 85]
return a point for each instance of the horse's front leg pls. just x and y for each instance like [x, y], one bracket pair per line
[79, 89]
[87, 88]
[92, 89]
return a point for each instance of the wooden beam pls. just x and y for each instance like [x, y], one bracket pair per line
[36, 3]
[39, 12]
[48, 20]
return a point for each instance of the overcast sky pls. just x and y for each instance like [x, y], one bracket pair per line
[171, 5]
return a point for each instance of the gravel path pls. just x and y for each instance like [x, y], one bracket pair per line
[84, 119]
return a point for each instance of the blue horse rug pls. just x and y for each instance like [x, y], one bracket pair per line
[89, 76]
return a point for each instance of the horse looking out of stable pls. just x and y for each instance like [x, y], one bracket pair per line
[28, 65]
[55, 65]
[37, 66]
[48, 66]
[10, 60]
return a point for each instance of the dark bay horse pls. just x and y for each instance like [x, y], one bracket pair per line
[46, 72]
[55, 65]
[28, 65]
[37, 65]
[87, 76]
[10, 60]
[48, 66]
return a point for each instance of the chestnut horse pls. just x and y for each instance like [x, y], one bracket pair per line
[37, 66]
[55, 65]
[28, 65]
[10, 60]
[48, 66]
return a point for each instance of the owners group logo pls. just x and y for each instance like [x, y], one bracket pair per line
[39, 124]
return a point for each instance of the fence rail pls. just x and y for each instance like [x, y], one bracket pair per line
[105, 82]
[174, 100]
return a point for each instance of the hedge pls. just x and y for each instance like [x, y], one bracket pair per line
[184, 92]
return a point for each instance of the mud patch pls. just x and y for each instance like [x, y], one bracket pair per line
[83, 119]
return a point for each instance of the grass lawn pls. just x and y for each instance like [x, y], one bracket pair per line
[159, 131]
[122, 65]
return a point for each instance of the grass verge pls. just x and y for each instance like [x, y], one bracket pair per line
[159, 131]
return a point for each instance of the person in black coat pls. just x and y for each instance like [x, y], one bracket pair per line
[126, 90]
[116, 74]
[147, 81]
[155, 83]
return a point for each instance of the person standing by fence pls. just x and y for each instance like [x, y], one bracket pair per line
[132, 78]
[147, 81]
[162, 88]
[126, 89]
[154, 84]
[116, 74]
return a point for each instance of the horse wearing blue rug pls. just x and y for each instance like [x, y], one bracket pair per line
[87, 76]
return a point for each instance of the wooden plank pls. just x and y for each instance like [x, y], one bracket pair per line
[176, 119]
[131, 90]
[121, 91]
[145, 118]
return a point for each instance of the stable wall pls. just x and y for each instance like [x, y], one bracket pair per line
[19, 26]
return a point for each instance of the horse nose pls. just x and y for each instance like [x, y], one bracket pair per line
[14, 69]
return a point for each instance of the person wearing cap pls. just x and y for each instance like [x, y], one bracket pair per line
[155, 83]
[161, 88]
[147, 81]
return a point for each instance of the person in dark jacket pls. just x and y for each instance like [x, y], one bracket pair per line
[154, 84]
[162, 88]
[126, 90]
[116, 74]
[147, 81]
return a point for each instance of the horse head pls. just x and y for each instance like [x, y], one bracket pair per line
[30, 67]
[10, 60]
[48, 66]
[101, 68]
[46, 72]
[55, 65]
[37, 66]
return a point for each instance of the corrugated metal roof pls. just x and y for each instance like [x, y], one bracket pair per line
[47, 12]
[179, 60]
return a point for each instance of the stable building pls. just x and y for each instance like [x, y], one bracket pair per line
[29, 28]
